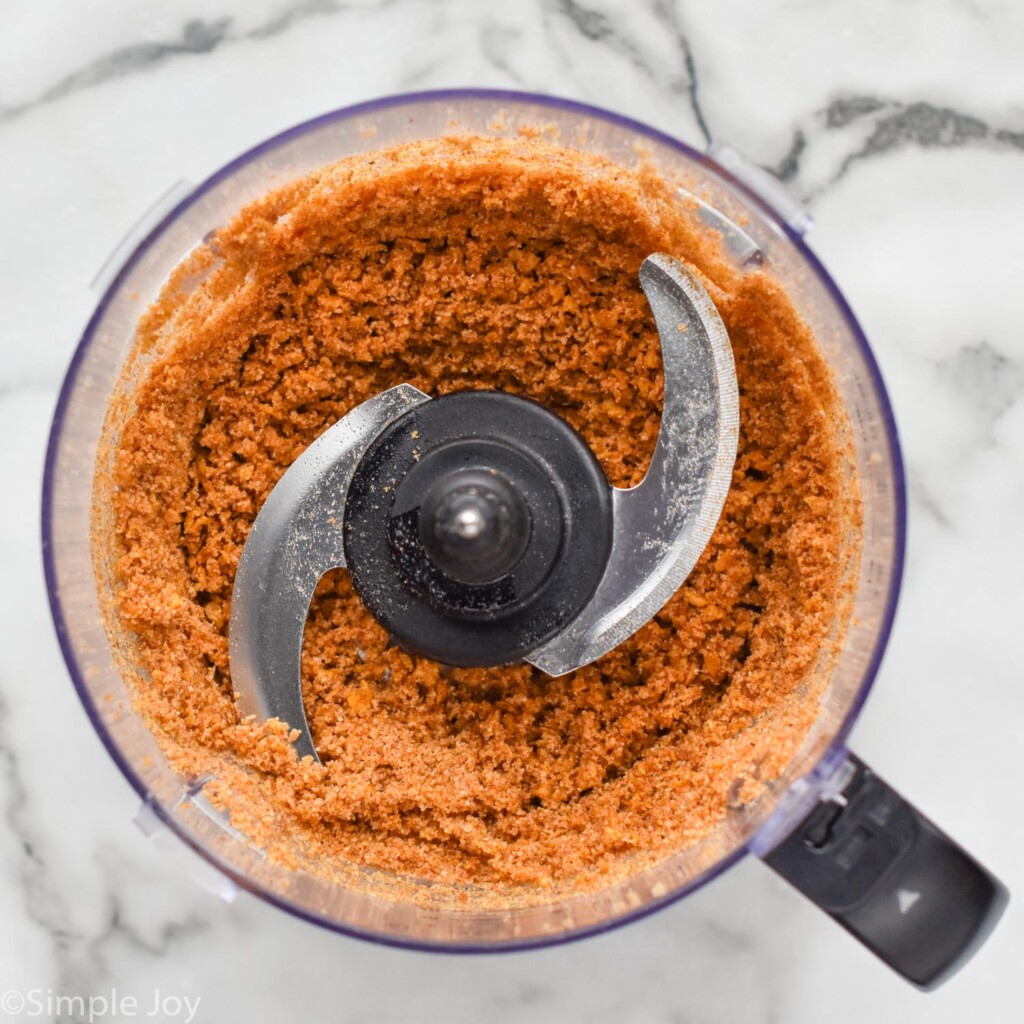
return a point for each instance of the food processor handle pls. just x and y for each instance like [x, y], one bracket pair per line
[890, 877]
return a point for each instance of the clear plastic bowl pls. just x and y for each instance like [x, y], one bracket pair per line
[68, 497]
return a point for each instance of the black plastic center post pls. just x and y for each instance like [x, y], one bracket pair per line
[477, 526]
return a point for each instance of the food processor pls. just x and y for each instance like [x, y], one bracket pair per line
[500, 540]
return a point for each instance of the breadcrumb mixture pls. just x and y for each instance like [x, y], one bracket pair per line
[484, 263]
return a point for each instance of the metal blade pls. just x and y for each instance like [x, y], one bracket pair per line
[296, 538]
[662, 525]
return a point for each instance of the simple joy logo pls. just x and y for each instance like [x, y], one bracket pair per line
[94, 1008]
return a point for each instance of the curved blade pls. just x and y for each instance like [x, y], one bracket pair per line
[296, 538]
[662, 525]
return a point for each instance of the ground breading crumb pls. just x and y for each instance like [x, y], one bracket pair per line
[470, 262]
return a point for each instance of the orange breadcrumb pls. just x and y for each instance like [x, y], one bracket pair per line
[469, 262]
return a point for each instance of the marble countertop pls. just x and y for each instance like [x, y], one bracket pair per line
[900, 126]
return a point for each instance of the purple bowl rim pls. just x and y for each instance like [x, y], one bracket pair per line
[836, 743]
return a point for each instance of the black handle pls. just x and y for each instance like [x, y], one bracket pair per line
[883, 871]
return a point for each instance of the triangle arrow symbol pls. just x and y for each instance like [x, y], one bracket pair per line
[906, 899]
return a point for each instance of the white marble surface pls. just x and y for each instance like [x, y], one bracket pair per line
[902, 126]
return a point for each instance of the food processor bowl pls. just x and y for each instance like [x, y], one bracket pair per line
[824, 793]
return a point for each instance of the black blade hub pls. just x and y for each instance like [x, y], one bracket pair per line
[477, 526]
